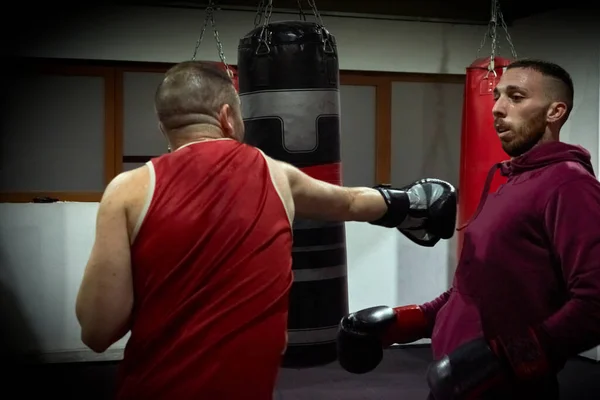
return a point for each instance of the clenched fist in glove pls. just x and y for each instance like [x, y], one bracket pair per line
[424, 211]
[481, 365]
[363, 335]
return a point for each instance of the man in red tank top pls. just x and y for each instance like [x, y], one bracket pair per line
[193, 251]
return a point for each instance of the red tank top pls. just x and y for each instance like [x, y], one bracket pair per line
[211, 273]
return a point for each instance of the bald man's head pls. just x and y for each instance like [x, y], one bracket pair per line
[195, 93]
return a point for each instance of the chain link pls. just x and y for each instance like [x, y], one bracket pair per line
[327, 43]
[508, 38]
[496, 17]
[265, 10]
[210, 17]
[208, 12]
[259, 13]
[301, 11]
[316, 12]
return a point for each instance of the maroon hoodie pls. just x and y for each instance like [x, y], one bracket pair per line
[530, 258]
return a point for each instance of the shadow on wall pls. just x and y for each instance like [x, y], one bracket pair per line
[17, 337]
[16, 333]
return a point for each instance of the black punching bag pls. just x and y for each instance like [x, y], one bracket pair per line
[289, 89]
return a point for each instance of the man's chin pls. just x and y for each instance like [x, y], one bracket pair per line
[511, 151]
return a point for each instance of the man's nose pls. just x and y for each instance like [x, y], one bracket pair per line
[498, 111]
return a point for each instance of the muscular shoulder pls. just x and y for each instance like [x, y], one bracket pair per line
[128, 189]
[281, 182]
[127, 193]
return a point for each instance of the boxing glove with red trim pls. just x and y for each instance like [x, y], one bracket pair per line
[480, 365]
[364, 334]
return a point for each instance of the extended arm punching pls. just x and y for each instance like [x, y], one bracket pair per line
[363, 335]
[424, 211]
[543, 348]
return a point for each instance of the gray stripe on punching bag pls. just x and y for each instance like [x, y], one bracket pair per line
[319, 247]
[298, 337]
[319, 274]
[314, 224]
[299, 111]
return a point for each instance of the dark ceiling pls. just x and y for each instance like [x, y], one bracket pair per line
[459, 11]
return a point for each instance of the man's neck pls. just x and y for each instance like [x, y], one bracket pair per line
[200, 134]
[199, 141]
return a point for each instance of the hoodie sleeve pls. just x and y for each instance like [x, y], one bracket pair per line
[431, 309]
[572, 220]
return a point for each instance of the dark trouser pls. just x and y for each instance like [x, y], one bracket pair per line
[544, 389]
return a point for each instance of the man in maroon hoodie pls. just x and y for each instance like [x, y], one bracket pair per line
[526, 293]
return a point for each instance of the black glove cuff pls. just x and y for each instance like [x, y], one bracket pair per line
[398, 205]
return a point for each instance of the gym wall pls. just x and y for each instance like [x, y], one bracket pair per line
[44, 247]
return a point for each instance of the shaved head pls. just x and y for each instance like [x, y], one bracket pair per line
[193, 94]
[558, 85]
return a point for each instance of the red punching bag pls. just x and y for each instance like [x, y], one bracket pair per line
[232, 71]
[480, 146]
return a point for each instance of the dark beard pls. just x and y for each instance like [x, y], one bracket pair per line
[527, 136]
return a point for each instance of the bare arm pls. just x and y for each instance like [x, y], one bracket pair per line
[105, 297]
[316, 199]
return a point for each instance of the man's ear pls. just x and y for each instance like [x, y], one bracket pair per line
[162, 130]
[556, 112]
[226, 119]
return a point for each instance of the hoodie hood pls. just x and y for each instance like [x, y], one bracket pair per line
[547, 154]
[538, 157]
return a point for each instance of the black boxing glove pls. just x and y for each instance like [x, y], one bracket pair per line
[480, 365]
[364, 334]
[424, 211]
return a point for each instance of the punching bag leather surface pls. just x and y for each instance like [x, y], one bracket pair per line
[480, 146]
[289, 89]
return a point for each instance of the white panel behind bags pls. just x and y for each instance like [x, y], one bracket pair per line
[372, 265]
[358, 115]
[426, 131]
[594, 354]
[384, 267]
[43, 252]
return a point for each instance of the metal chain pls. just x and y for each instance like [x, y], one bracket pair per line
[220, 45]
[263, 45]
[301, 11]
[210, 16]
[494, 26]
[208, 12]
[496, 17]
[259, 13]
[313, 6]
[328, 46]
[508, 38]
[267, 12]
